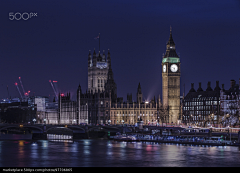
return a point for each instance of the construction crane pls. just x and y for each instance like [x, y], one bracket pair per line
[22, 86]
[55, 86]
[26, 94]
[18, 90]
[54, 89]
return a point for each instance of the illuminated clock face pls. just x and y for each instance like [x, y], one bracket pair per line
[164, 68]
[174, 68]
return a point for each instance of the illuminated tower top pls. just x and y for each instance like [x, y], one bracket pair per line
[170, 55]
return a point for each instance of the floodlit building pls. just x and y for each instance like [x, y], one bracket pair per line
[101, 105]
[200, 107]
[212, 106]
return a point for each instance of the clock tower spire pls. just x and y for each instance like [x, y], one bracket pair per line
[171, 80]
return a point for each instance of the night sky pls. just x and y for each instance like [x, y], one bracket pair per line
[54, 45]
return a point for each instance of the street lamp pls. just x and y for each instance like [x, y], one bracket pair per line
[74, 121]
[183, 119]
[212, 118]
[191, 118]
[199, 119]
[44, 121]
[34, 120]
[122, 121]
[230, 132]
[109, 121]
[228, 118]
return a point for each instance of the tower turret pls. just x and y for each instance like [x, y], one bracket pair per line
[94, 59]
[103, 56]
[209, 86]
[199, 88]
[139, 94]
[217, 88]
[108, 58]
[110, 86]
[89, 59]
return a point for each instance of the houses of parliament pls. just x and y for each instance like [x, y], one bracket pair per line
[101, 105]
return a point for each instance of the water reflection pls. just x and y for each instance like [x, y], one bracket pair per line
[123, 144]
[43, 146]
[138, 145]
[74, 147]
[111, 153]
[34, 150]
[109, 149]
[20, 153]
[86, 147]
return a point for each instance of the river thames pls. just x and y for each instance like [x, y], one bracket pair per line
[109, 153]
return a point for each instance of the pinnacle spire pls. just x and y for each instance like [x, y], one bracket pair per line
[139, 90]
[109, 59]
[171, 51]
[170, 41]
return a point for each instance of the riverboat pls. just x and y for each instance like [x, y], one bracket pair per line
[126, 138]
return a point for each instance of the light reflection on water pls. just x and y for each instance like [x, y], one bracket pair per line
[94, 152]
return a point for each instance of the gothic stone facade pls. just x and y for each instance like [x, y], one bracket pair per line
[100, 104]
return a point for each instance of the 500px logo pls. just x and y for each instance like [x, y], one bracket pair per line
[19, 16]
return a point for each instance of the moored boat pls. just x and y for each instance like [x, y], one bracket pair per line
[124, 137]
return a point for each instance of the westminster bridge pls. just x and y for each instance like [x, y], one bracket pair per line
[77, 129]
[40, 131]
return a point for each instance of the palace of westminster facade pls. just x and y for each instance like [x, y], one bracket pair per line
[100, 104]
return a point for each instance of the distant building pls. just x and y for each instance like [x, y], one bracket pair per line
[208, 107]
[200, 107]
[17, 112]
[230, 104]
[41, 103]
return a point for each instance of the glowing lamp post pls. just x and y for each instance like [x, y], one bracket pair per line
[34, 120]
[109, 121]
[212, 122]
[199, 120]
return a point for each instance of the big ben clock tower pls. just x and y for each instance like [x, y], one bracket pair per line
[171, 80]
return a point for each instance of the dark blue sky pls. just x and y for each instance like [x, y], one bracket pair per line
[55, 44]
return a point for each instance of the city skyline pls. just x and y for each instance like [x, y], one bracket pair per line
[54, 45]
